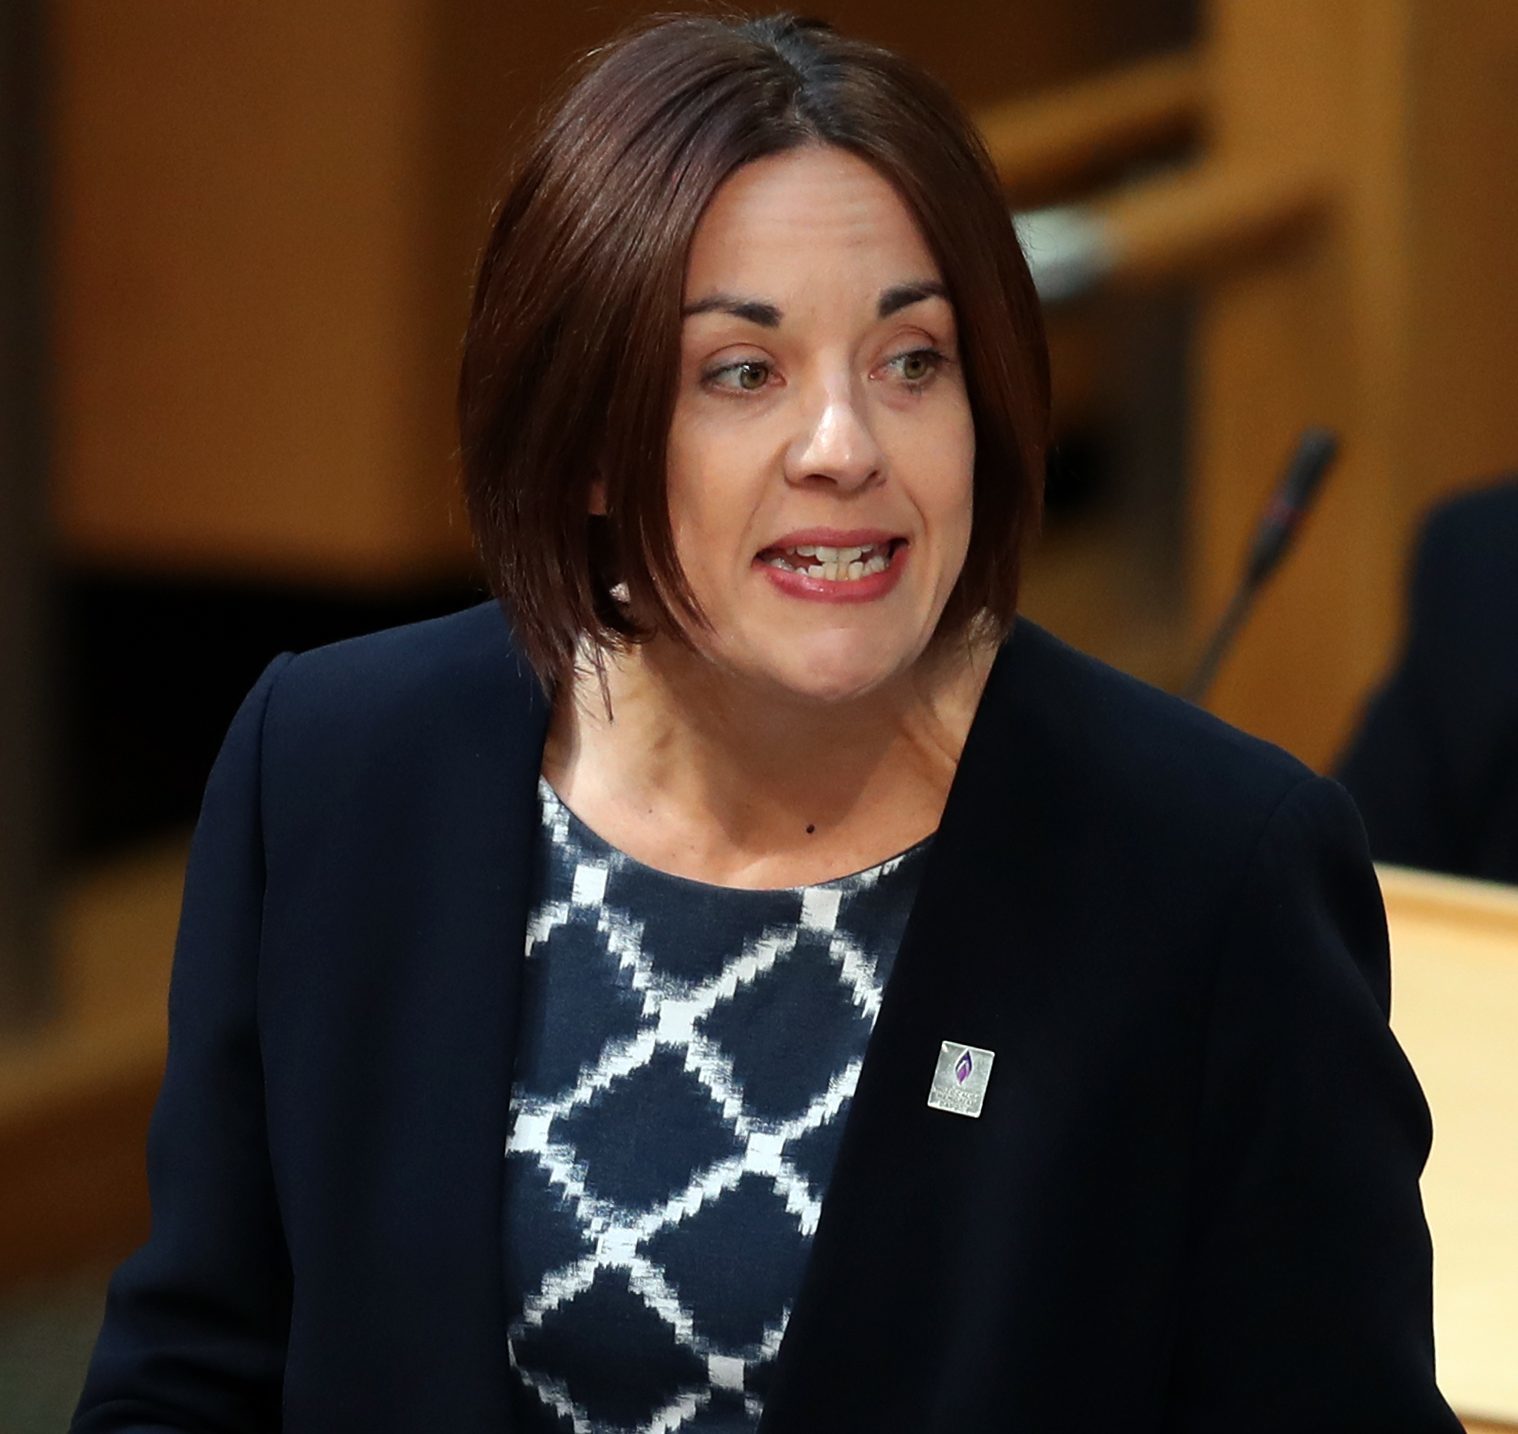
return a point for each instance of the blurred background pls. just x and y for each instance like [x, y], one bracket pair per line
[237, 250]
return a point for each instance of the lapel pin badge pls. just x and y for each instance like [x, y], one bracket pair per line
[960, 1078]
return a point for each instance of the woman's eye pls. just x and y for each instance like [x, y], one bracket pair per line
[917, 366]
[750, 376]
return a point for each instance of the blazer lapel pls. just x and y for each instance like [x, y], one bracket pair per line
[897, 1305]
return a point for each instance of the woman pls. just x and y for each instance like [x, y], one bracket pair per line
[757, 857]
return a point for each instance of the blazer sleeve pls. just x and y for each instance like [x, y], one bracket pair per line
[1309, 1297]
[196, 1321]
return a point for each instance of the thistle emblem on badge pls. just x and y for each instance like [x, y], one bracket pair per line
[960, 1078]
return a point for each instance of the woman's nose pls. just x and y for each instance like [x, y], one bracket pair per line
[835, 444]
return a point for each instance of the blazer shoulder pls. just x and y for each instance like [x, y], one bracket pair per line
[1145, 755]
[426, 686]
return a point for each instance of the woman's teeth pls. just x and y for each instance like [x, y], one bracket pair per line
[836, 565]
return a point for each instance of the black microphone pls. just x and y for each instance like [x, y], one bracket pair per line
[1315, 452]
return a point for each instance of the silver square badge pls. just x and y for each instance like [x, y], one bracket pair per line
[959, 1082]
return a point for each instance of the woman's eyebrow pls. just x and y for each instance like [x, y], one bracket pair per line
[768, 316]
[756, 311]
[899, 296]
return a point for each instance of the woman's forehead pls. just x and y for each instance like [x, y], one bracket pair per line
[807, 217]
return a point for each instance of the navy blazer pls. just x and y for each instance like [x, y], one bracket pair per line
[1190, 1204]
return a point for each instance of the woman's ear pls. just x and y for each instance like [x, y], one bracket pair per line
[598, 498]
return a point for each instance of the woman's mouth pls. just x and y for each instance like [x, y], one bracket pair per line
[834, 565]
[824, 574]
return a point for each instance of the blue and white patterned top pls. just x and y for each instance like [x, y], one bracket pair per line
[686, 1057]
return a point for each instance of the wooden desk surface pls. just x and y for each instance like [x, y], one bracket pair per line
[1455, 1010]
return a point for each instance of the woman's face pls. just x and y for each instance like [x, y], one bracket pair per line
[821, 406]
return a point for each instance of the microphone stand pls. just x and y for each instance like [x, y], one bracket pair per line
[1314, 455]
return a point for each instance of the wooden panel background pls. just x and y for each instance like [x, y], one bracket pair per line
[1394, 325]
[1462, 137]
[266, 220]
[1313, 337]
[239, 317]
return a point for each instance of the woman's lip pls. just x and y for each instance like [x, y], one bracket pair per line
[834, 538]
[865, 589]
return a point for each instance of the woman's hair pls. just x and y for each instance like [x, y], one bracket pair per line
[572, 357]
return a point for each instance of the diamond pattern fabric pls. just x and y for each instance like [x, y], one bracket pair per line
[684, 1067]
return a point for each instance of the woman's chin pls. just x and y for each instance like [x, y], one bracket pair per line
[830, 678]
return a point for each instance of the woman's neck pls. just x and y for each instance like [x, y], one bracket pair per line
[704, 774]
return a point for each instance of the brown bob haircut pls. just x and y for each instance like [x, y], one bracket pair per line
[572, 357]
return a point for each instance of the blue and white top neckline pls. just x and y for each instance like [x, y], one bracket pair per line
[685, 1061]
